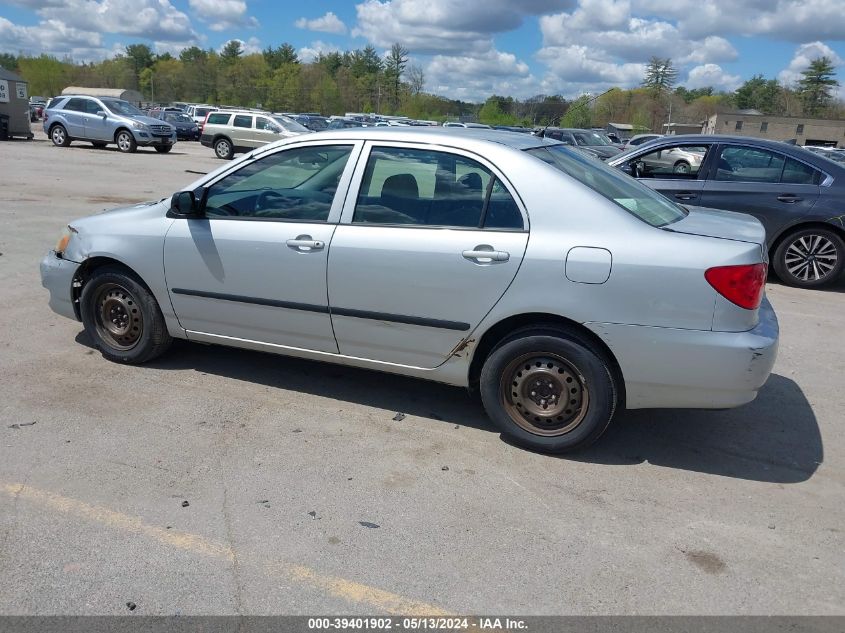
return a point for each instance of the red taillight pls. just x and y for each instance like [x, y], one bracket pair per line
[742, 285]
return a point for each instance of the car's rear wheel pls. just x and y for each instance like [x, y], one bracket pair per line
[59, 136]
[125, 141]
[223, 149]
[810, 258]
[122, 317]
[548, 390]
[681, 167]
[163, 149]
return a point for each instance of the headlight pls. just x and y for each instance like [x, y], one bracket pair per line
[139, 126]
[61, 245]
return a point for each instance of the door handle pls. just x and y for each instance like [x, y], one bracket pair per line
[789, 198]
[686, 195]
[484, 256]
[304, 244]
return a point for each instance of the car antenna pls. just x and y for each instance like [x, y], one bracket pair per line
[542, 133]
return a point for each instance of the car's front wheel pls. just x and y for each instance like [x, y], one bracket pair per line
[223, 149]
[810, 258]
[59, 136]
[548, 390]
[682, 167]
[122, 317]
[126, 142]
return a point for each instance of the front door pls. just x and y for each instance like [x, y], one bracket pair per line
[254, 267]
[676, 171]
[774, 188]
[429, 242]
[97, 126]
[243, 135]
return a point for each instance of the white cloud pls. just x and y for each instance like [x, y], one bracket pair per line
[328, 23]
[476, 77]
[222, 14]
[312, 52]
[712, 75]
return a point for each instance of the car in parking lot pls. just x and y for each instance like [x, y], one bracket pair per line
[640, 139]
[198, 112]
[186, 127]
[407, 250]
[595, 142]
[231, 132]
[797, 195]
[103, 121]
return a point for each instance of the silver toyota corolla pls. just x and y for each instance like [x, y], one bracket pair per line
[559, 289]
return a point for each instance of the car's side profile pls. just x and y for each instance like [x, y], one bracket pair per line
[230, 132]
[103, 121]
[557, 288]
[798, 195]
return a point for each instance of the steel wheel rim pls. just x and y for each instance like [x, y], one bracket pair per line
[58, 136]
[222, 149]
[123, 141]
[811, 257]
[544, 394]
[118, 317]
[682, 168]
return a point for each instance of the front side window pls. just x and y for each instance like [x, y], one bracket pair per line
[633, 196]
[432, 188]
[242, 120]
[748, 164]
[676, 162]
[296, 184]
[263, 123]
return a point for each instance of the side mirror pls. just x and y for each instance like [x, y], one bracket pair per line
[626, 168]
[101, 113]
[184, 204]
[639, 169]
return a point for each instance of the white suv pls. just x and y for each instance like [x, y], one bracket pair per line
[234, 132]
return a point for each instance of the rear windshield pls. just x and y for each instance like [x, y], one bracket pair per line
[636, 198]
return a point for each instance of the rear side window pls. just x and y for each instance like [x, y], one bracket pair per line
[75, 105]
[218, 119]
[242, 120]
[749, 164]
[432, 188]
[798, 173]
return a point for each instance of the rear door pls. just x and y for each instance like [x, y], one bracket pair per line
[430, 239]
[243, 136]
[74, 113]
[775, 188]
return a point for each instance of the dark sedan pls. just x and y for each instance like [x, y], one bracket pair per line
[186, 128]
[797, 195]
[598, 143]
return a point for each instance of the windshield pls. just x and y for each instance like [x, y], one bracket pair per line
[290, 125]
[118, 106]
[636, 198]
[590, 138]
[175, 117]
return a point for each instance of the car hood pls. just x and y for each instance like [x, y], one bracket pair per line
[146, 120]
[725, 225]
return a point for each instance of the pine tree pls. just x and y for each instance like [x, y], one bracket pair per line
[816, 84]
[660, 76]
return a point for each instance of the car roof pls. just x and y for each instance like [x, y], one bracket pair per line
[430, 134]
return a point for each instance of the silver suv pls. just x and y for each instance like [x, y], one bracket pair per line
[102, 120]
[236, 131]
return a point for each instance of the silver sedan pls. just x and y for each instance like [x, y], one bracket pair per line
[558, 289]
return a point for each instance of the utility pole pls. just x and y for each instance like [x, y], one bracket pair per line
[669, 123]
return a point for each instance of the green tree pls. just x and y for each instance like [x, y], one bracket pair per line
[578, 114]
[660, 76]
[232, 51]
[141, 57]
[394, 66]
[277, 57]
[8, 61]
[46, 75]
[816, 84]
[760, 94]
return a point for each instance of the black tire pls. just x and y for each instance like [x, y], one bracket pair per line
[99, 144]
[223, 149]
[59, 136]
[125, 141]
[163, 149]
[815, 253]
[137, 332]
[565, 362]
[681, 167]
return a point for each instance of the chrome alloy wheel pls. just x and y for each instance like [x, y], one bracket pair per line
[124, 141]
[118, 317]
[544, 394]
[810, 257]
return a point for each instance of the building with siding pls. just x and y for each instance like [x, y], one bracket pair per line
[805, 131]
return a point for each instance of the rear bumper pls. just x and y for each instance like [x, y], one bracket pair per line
[667, 368]
[57, 276]
[205, 139]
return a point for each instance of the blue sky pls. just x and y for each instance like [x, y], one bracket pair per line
[467, 49]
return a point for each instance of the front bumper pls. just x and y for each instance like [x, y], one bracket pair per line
[57, 276]
[147, 139]
[667, 368]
